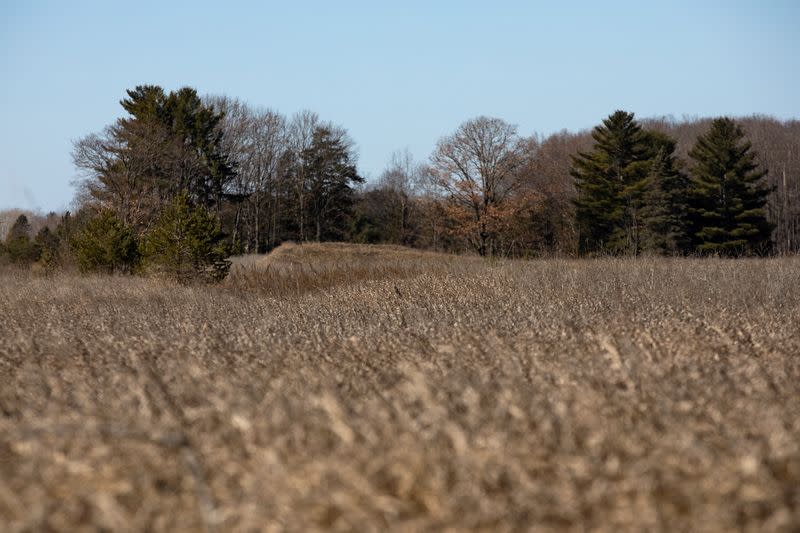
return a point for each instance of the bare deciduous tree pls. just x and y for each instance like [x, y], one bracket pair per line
[132, 169]
[301, 135]
[477, 169]
[401, 181]
[255, 140]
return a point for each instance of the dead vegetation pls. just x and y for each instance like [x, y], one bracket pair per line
[373, 389]
[292, 270]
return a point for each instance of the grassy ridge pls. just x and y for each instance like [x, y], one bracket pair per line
[343, 387]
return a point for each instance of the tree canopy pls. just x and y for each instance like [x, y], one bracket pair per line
[253, 178]
[728, 195]
[610, 181]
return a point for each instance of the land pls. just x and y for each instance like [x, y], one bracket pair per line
[343, 387]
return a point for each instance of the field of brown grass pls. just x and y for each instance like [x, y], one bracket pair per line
[352, 388]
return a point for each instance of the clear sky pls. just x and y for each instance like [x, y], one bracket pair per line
[395, 74]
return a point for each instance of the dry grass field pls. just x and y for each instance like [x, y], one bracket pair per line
[356, 388]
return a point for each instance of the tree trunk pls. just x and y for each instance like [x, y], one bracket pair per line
[302, 218]
[257, 224]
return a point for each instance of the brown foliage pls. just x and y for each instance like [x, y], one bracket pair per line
[477, 170]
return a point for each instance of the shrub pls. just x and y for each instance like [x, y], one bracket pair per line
[48, 244]
[186, 243]
[106, 244]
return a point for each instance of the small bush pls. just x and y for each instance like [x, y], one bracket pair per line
[48, 244]
[106, 244]
[186, 243]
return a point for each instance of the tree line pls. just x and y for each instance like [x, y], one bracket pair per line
[181, 182]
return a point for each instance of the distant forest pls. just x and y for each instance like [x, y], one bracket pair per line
[189, 180]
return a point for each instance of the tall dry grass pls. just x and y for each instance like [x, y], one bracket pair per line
[374, 389]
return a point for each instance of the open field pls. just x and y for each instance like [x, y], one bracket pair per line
[374, 389]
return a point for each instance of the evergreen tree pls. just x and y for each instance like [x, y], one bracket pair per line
[107, 245]
[729, 195]
[610, 181]
[328, 164]
[186, 243]
[18, 245]
[665, 211]
[168, 144]
[193, 125]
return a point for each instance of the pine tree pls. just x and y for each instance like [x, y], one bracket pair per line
[167, 144]
[729, 194]
[332, 174]
[18, 245]
[186, 244]
[107, 245]
[610, 181]
[665, 211]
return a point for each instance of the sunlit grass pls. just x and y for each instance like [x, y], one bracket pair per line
[358, 388]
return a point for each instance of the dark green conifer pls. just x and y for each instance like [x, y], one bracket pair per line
[18, 246]
[610, 181]
[193, 125]
[106, 244]
[665, 202]
[332, 177]
[186, 243]
[729, 196]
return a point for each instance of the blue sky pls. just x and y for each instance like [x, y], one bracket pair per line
[395, 74]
